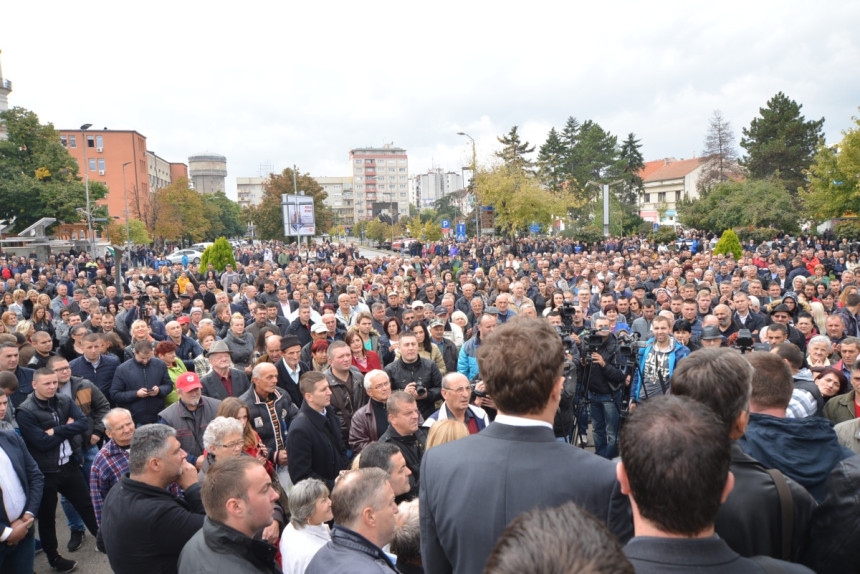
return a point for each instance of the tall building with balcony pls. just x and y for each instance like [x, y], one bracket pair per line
[5, 90]
[250, 190]
[426, 188]
[340, 196]
[208, 172]
[380, 180]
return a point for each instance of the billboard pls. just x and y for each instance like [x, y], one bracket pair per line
[298, 212]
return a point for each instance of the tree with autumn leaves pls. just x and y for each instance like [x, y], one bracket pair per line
[268, 217]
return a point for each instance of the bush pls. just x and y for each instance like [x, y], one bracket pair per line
[219, 254]
[847, 230]
[664, 235]
[588, 234]
[729, 243]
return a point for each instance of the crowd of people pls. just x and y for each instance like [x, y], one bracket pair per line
[324, 409]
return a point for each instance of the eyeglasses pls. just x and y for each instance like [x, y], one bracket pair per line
[463, 389]
[233, 445]
[381, 386]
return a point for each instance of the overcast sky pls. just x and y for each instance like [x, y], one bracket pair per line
[302, 83]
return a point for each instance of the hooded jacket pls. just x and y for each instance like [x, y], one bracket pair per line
[804, 449]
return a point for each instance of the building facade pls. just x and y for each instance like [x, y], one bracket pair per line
[5, 90]
[208, 172]
[426, 188]
[340, 198]
[379, 175]
[162, 172]
[666, 182]
[106, 152]
[249, 190]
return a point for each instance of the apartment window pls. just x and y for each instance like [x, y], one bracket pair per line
[677, 196]
[73, 141]
[358, 161]
[647, 198]
[359, 186]
[91, 141]
[101, 164]
[661, 197]
[401, 169]
[382, 186]
[402, 186]
[380, 162]
[99, 141]
[63, 141]
[92, 164]
[368, 161]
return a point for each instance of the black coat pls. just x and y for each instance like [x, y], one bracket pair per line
[835, 531]
[315, 446]
[131, 376]
[219, 549]
[213, 387]
[424, 371]
[144, 527]
[285, 381]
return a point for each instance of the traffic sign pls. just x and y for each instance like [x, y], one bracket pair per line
[534, 227]
[461, 232]
[656, 227]
[446, 224]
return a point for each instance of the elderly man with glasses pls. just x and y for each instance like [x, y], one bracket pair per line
[456, 391]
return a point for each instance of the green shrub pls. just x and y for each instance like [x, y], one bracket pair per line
[664, 235]
[219, 254]
[847, 229]
[757, 234]
[729, 243]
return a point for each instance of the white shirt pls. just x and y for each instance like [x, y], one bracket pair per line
[298, 547]
[515, 421]
[14, 497]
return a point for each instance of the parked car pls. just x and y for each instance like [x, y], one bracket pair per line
[193, 256]
[402, 243]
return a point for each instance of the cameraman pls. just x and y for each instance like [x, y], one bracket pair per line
[145, 311]
[603, 382]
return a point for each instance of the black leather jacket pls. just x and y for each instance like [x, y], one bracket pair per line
[834, 544]
[424, 371]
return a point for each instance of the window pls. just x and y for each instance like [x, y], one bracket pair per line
[358, 161]
[647, 198]
[100, 141]
[677, 196]
[92, 164]
[63, 141]
[73, 141]
[661, 197]
[101, 164]
[368, 161]
[91, 141]
[401, 169]
[380, 162]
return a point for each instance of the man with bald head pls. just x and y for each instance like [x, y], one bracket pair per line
[43, 345]
[187, 349]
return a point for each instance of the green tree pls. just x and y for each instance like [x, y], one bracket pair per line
[551, 164]
[665, 235]
[750, 203]
[378, 231]
[178, 213]
[514, 151]
[833, 189]
[729, 243]
[224, 216]
[219, 255]
[447, 208]
[631, 164]
[518, 199]
[268, 216]
[781, 142]
[137, 230]
[38, 177]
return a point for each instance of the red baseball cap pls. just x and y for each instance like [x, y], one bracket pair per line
[188, 382]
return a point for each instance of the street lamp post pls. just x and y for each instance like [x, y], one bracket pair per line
[84, 129]
[127, 227]
[474, 184]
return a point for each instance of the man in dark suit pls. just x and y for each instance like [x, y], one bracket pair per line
[676, 458]
[291, 369]
[472, 488]
[314, 442]
[22, 498]
[223, 381]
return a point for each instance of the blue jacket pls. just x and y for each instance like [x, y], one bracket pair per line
[102, 377]
[804, 449]
[28, 473]
[25, 385]
[348, 551]
[677, 353]
[467, 362]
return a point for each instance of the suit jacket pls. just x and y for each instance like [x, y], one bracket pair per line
[213, 387]
[285, 381]
[315, 446]
[524, 468]
[28, 473]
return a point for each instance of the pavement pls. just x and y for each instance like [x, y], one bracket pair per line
[90, 560]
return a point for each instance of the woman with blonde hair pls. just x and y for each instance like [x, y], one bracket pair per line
[445, 431]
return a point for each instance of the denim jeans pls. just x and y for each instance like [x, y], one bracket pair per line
[76, 523]
[604, 422]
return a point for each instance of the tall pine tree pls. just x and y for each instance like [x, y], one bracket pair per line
[781, 141]
[631, 163]
[515, 150]
[551, 157]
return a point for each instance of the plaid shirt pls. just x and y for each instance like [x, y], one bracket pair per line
[801, 405]
[109, 465]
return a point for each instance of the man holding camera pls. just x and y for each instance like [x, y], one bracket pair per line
[146, 312]
[603, 381]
